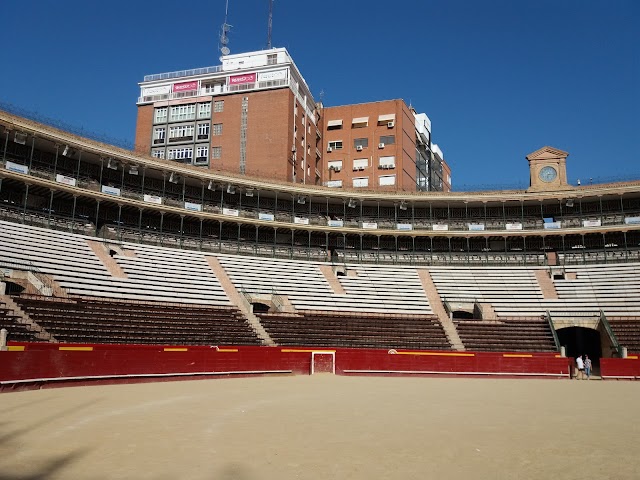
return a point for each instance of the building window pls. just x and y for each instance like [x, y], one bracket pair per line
[360, 164]
[159, 135]
[272, 59]
[335, 145]
[335, 165]
[217, 129]
[360, 142]
[218, 106]
[181, 133]
[387, 162]
[334, 125]
[361, 182]
[160, 115]
[388, 139]
[203, 131]
[183, 154]
[182, 113]
[202, 154]
[386, 180]
[216, 152]
[204, 110]
[360, 122]
[157, 153]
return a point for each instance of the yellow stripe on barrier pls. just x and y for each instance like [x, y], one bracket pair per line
[76, 349]
[560, 356]
[436, 354]
[169, 349]
[517, 355]
[307, 350]
[630, 357]
[15, 348]
[227, 350]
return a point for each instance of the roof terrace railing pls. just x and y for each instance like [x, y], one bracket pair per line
[183, 73]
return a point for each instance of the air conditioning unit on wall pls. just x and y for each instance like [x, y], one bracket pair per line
[391, 125]
[381, 145]
[359, 148]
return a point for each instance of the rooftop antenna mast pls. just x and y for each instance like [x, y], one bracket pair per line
[224, 36]
[270, 24]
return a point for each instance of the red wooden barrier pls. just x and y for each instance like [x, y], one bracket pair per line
[39, 363]
[620, 368]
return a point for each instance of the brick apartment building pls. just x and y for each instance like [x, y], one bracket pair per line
[254, 114]
[382, 145]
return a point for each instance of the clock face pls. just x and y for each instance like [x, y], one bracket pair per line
[548, 174]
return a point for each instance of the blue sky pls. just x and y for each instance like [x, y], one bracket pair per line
[498, 78]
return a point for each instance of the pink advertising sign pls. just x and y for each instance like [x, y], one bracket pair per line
[240, 79]
[185, 86]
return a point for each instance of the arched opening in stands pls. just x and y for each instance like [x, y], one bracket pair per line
[581, 341]
[259, 307]
[13, 288]
[462, 315]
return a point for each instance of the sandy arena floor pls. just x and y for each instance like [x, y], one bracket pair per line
[327, 427]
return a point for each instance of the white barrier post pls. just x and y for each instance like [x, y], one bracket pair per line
[3, 340]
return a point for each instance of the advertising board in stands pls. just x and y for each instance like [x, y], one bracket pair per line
[553, 225]
[16, 167]
[440, 228]
[269, 217]
[475, 227]
[196, 207]
[513, 226]
[404, 226]
[592, 223]
[301, 220]
[370, 225]
[335, 223]
[153, 199]
[66, 180]
[231, 211]
[110, 190]
[627, 220]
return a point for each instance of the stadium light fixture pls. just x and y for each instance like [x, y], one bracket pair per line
[302, 199]
[231, 190]
[403, 205]
[133, 170]
[352, 203]
[173, 178]
[65, 151]
[569, 203]
[248, 192]
[211, 186]
[112, 164]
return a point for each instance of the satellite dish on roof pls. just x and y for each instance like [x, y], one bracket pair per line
[225, 51]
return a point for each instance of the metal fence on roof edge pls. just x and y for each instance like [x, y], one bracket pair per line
[59, 124]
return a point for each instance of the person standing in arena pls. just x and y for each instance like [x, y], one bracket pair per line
[587, 366]
[580, 368]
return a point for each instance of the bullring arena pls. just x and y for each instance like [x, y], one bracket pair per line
[206, 325]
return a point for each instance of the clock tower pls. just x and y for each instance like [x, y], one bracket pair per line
[548, 170]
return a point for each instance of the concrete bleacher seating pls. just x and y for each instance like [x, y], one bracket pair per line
[17, 332]
[100, 320]
[374, 289]
[513, 335]
[348, 329]
[516, 292]
[627, 331]
[153, 274]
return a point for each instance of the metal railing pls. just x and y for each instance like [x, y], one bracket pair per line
[182, 73]
[615, 345]
[556, 340]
